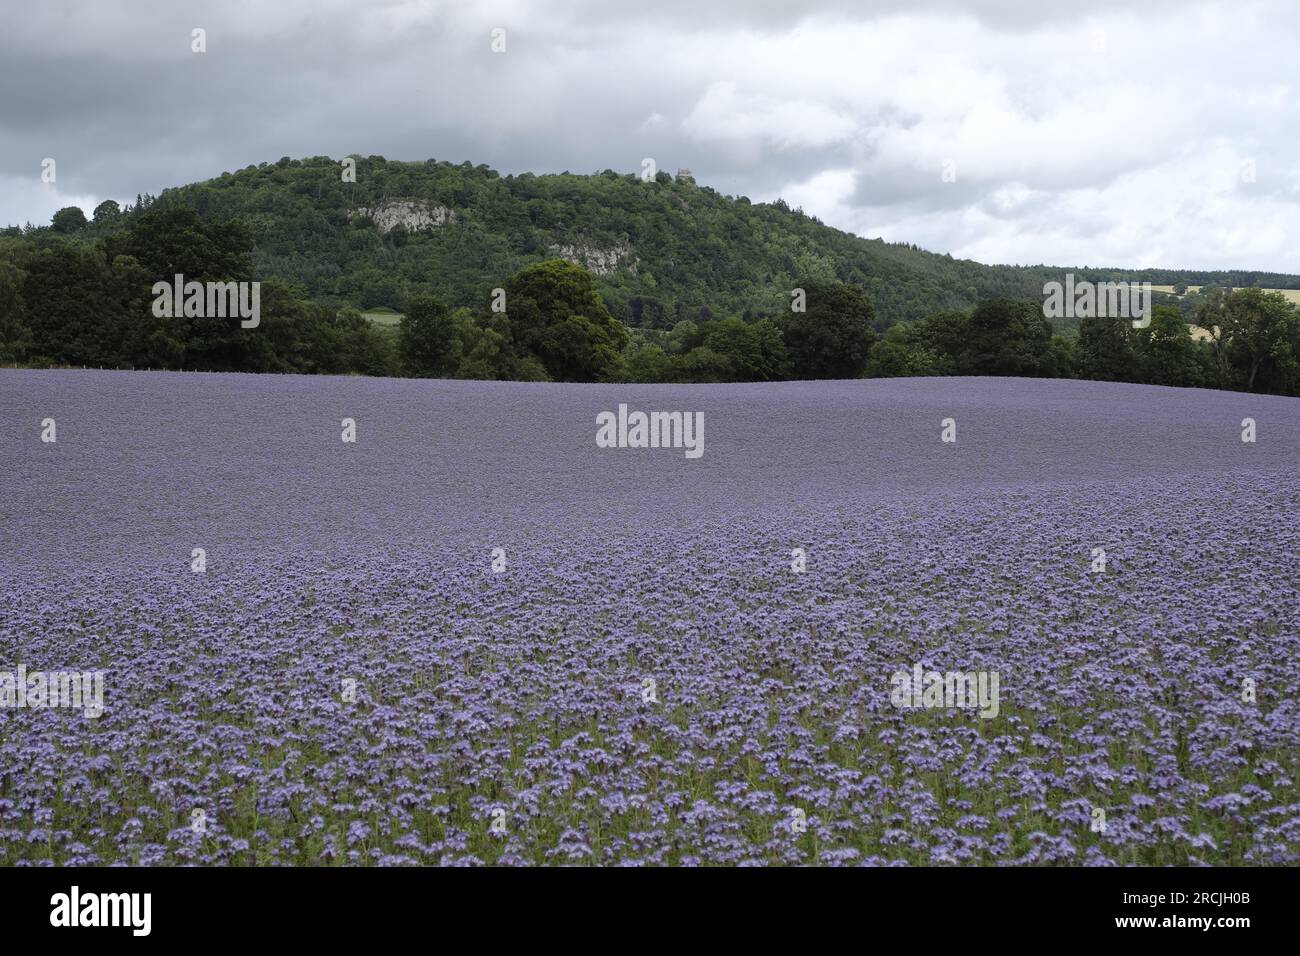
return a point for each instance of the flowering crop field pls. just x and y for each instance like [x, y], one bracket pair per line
[472, 636]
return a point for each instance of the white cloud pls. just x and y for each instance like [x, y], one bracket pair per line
[724, 114]
[30, 200]
[826, 194]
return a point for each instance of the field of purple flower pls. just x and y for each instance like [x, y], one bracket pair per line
[645, 679]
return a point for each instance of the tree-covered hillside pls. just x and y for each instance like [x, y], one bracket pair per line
[660, 251]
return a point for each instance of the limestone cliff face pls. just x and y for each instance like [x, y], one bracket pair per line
[414, 214]
[598, 260]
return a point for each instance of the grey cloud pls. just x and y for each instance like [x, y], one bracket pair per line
[113, 93]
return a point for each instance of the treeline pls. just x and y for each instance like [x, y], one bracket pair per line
[72, 300]
[549, 324]
[1247, 340]
[553, 326]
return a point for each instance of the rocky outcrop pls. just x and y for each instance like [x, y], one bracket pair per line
[598, 260]
[414, 214]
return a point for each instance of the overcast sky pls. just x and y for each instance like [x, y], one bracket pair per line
[1136, 134]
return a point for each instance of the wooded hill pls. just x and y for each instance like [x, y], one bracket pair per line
[660, 251]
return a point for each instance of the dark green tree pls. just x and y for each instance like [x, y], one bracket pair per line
[905, 351]
[753, 352]
[556, 315]
[168, 240]
[426, 336]
[68, 219]
[107, 211]
[80, 319]
[1008, 337]
[1263, 337]
[1166, 354]
[1105, 350]
[832, 337]
[15, 336]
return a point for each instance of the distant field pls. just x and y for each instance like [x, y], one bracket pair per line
[1292, 295]
[383, 316]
